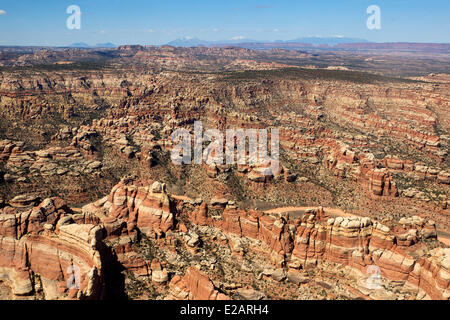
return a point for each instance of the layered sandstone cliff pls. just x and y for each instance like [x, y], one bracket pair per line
[399, 251]
[41, 250]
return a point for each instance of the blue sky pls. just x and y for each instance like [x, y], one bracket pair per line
[28, 22]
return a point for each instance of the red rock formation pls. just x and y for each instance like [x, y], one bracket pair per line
[431, 274]
[303, 243]
[381, 183]
[354, 242]
[145, 207]
[159, 274]
[194, 286]
[40, 242]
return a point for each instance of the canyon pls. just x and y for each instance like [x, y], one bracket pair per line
[92, 207]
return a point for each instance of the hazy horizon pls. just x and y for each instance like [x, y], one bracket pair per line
[44, 23]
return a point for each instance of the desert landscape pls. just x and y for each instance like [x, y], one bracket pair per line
[92, 207]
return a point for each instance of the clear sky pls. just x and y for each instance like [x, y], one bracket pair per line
[43, 22]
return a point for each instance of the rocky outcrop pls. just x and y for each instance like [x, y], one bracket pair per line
[74, 160]
[297, 244]
[381, 183]
[432, 274]
[194, 286]
[354, 242]
[128, 207]
[41, 250]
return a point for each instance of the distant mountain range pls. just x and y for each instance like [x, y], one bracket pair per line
[332, 43]
[98, 45]
[244, 42]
